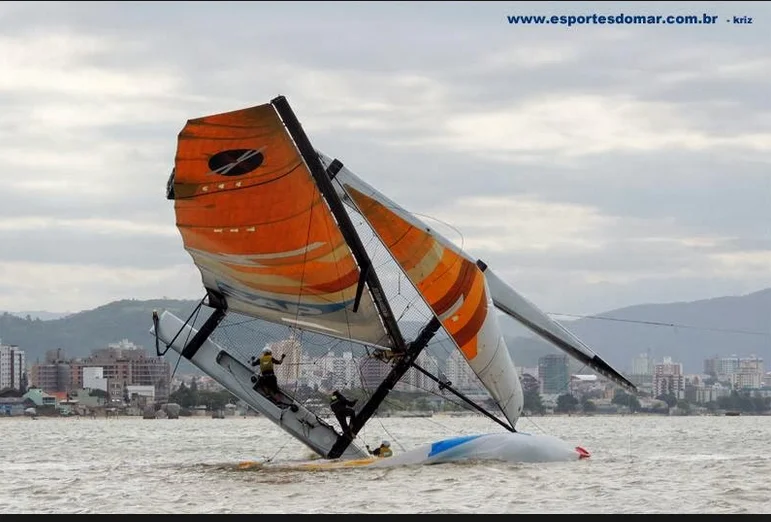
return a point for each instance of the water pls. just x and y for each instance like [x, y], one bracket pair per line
[190, 465]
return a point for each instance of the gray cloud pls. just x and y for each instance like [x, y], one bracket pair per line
[71, 245]
[629, 163]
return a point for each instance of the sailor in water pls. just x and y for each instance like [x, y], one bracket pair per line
[343, 409]
[382, 451]
[267, 378]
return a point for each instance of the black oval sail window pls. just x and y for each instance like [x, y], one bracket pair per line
[236, 162]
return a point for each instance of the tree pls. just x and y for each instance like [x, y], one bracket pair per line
[669, 398]
[182, 396]
[24, 383]
[587, 405]
[533, 402]
[422, 404]
[624, 399]
[566, 403]
[741, 401]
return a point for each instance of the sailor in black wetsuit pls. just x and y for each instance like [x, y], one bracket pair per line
[343, 409]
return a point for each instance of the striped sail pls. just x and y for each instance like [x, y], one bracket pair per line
[254, 222]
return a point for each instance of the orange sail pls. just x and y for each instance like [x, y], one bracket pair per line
[453, 286]
[463, 293]
[254, 222]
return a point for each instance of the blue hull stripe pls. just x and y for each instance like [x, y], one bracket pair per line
[444, 445]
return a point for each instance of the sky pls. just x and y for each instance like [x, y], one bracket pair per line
[592, 167]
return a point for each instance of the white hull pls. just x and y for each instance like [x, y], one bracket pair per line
[507, 447]
[235, 376]
[500, 447]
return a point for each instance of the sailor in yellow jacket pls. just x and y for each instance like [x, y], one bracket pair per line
[382, 451]
[267, 377]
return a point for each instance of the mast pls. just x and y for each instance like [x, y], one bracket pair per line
[322, 179]
[219, 304]
[403, 364]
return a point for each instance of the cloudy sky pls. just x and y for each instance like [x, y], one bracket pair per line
[592, 167]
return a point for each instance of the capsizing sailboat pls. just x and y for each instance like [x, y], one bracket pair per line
[287, 238]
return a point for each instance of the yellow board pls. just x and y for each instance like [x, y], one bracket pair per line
[312, 465]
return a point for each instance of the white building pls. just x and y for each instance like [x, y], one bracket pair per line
[314, 370]
[642, 365]
[94, 379]
[705, 394]
[459, 373]
[416, 381]
[288, 372]
[345, 373]
[532, 371]
[741, 372]
[12, 367]
[142, 391]
[583, 384]
[668, 379]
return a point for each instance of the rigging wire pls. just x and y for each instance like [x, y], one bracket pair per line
[187, 338]
[658, 323]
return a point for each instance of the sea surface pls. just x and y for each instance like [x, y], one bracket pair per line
[639, 464]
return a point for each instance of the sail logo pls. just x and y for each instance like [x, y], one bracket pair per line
[235, 162]
[278, 305]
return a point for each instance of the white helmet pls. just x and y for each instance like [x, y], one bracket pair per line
[267, 350]
[386, 444]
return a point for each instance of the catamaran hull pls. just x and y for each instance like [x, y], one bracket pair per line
[507, 447]
[501, 447]
[235, 376]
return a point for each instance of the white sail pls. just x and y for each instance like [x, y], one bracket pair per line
[358, 193]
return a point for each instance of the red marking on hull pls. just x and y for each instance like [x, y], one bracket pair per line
[582, 453]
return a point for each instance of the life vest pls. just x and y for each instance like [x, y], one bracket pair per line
[384, 451]
[266, 363]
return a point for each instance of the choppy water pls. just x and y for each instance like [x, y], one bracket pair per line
[190, 465]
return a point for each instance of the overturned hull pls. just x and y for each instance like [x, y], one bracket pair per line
[501, 447]
[236, 376]
[507, 447]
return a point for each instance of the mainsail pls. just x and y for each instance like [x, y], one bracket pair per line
[264, 217]
[256, 225]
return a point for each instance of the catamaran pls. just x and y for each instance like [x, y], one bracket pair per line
[288, 238]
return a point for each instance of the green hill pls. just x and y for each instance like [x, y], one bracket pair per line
[80, 333]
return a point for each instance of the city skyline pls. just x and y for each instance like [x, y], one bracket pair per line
[332, 371]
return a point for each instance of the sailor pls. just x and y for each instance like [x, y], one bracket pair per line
[382, 451]
[343, 409]
[267, 378]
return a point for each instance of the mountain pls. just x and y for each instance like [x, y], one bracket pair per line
[39, 314]
[689, 332]
[708, 327]
[80, 333]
